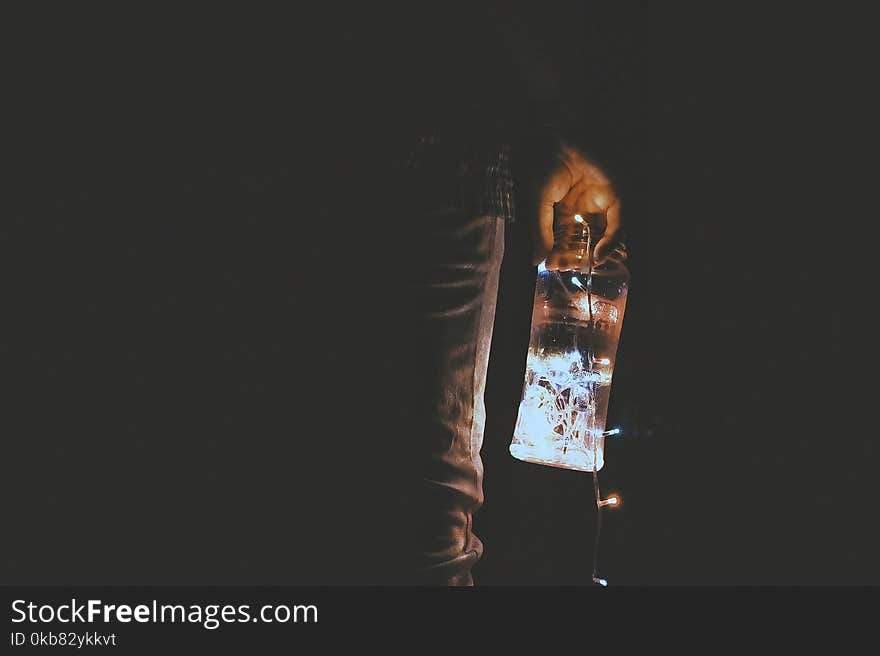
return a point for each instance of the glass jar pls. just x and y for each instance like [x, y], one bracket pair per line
[576, 321]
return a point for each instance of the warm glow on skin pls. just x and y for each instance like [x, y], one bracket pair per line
[577, 186]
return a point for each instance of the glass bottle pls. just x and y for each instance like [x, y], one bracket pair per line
[576, 321]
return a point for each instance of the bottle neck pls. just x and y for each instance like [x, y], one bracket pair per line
[575, 237]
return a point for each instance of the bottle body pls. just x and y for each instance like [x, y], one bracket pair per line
[576, 321]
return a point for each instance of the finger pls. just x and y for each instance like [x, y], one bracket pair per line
[543, 241]
[554, 189]
[588, 198]
[613, 234]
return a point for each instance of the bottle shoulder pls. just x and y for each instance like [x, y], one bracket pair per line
[605, 282]
[616, 270]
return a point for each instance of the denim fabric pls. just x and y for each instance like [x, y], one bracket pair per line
[472, 173]
[455, 287]
[410, 299]
[434, 231]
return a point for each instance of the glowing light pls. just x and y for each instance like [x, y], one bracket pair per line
[576, 282]
[542, 267]
[578, 218]
[603, 361]
[610, 501]
[601, 582]
[560, 418]
[609, 433]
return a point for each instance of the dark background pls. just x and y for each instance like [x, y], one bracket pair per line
[735, 466]
[172, 213]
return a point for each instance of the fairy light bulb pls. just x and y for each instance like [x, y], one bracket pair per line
[612, 501]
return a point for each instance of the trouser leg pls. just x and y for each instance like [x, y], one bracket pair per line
[452, 287]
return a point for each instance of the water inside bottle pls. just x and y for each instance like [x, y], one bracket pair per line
[567, 386]
[562, 413]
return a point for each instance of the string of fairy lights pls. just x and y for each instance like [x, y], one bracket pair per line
[612, 501]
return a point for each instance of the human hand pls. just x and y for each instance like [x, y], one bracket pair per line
[572, 184]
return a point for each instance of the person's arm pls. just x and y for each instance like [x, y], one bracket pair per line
[540, 46]
[533, 67]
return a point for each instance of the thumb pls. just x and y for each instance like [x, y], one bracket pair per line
[613, 234]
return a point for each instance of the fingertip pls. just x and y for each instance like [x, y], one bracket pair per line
[539, 255]
[607, 249]
[601, 252]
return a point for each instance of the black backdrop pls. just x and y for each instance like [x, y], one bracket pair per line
[160, 258]
[737, 466]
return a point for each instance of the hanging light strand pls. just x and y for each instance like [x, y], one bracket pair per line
[613, 501]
